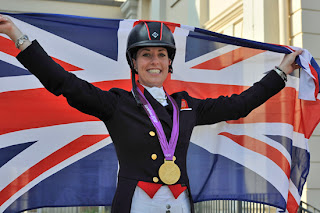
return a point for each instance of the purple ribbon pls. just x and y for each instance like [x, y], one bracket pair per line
[167, 148]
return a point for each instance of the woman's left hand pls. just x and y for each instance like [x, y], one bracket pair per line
[288, 63]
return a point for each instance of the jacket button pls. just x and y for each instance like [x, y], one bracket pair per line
[154, 156]
[155, 179]
[168, 206]
[152, 133]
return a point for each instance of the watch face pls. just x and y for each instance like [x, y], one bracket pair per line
[21, 40]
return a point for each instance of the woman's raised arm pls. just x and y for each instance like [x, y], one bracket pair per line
[10, 29]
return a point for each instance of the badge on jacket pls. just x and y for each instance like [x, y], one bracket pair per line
[184, 105]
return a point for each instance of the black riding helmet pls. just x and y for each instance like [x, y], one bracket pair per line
[150, 34]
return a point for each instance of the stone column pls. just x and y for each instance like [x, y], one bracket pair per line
[129, 9]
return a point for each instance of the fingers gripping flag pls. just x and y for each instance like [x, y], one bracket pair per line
[53, 155]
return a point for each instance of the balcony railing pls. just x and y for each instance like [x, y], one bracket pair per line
[305, 207]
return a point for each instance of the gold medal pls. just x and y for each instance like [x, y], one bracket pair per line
[169, 172]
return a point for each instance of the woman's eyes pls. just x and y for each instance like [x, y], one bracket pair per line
[149, 55]
[146, 54]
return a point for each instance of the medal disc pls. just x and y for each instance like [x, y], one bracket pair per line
[169, 172]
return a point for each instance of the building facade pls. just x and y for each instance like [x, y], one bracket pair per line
[289, 22]
[91, 8]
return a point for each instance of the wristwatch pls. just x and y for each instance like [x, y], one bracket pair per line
[282, 74]
[21, 40]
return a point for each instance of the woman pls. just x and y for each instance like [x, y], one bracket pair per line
[150, 132]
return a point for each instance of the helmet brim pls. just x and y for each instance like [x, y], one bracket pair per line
[151, 44]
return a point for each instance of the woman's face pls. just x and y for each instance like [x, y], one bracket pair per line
[152, 65]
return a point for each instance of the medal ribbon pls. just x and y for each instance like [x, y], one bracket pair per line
[167, 148]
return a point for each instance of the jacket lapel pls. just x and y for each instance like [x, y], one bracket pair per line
[161, 111]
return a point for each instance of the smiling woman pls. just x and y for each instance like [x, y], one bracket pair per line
[152, 65]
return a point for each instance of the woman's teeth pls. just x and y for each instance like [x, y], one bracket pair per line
[155, 71]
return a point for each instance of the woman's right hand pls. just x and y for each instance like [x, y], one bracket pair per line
[10, 29]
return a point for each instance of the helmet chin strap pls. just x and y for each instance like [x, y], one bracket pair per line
[134, 87]
[170, 69]
[133, 79]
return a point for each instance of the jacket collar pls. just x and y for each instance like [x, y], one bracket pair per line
[160, 110]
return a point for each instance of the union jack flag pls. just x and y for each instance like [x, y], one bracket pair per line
[52, 155]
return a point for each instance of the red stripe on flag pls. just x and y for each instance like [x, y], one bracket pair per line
[49, 162]
[262, 148]
[292, 205]
[228, 59]
[67, 66]
[309, 119]
[37, 108]
[284, 107]
[41, 109]
[8, 47]
[316, 81]
[288, 47]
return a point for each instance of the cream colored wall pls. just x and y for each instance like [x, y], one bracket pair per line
[226, 21]
[46, 6]
[216, 7]
[305, 30]
[144, 9]
[252, 19]
[183, 12]
[177, 11]
[261, 20]
[305, 33]
[158, 10]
